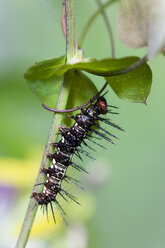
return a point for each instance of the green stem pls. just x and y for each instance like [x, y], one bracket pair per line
[71, 45]
[91, 20]
[71, 41]
[30, 215]
[105, 17]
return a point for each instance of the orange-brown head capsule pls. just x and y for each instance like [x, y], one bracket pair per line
[103, 105]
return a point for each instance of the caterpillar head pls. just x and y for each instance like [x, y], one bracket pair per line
[101, 106]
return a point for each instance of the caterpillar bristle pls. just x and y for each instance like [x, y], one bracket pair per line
[69, 144]
[102, 136]
[76, 182]
[46, 206]
[110, 123]
[85, 153]
[85, 144]
[60, 209]
[70, 196]
[94, 142]
[35, 205]
[78, 155]
[63, 196]
[42, 208]
[69, 177]
[111, 106]
[78, 167]
[105, 131]
[113, 113]
[52, 212]
[93, 137]
[38, 184]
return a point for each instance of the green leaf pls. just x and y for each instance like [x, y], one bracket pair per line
[43, 81]
[98, 67]
[82, 89]
[44, 69]
[133, 86]
[47, 90]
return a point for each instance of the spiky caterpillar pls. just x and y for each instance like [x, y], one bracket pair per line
[69, 144]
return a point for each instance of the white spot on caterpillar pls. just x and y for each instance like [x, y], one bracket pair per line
[81, 128]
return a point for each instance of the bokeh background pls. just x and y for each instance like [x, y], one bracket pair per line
[124, 202]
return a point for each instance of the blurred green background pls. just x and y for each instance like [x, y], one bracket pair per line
[124, 202]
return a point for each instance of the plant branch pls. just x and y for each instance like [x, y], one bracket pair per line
[105, 17]
[71, 45]
[91, 20]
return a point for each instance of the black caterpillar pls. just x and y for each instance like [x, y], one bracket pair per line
[70, 143]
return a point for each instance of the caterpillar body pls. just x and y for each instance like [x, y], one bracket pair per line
[86, 123]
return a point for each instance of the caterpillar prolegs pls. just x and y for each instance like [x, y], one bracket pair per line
[85, 124]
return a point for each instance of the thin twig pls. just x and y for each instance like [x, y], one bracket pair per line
[105, 17]
[91, 20]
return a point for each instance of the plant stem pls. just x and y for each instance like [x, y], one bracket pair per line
[31, 211]
[91, 20]
[71, 45]
[71, 41]
[105, 17]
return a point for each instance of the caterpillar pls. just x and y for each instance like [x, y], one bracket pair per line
[85, 125]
